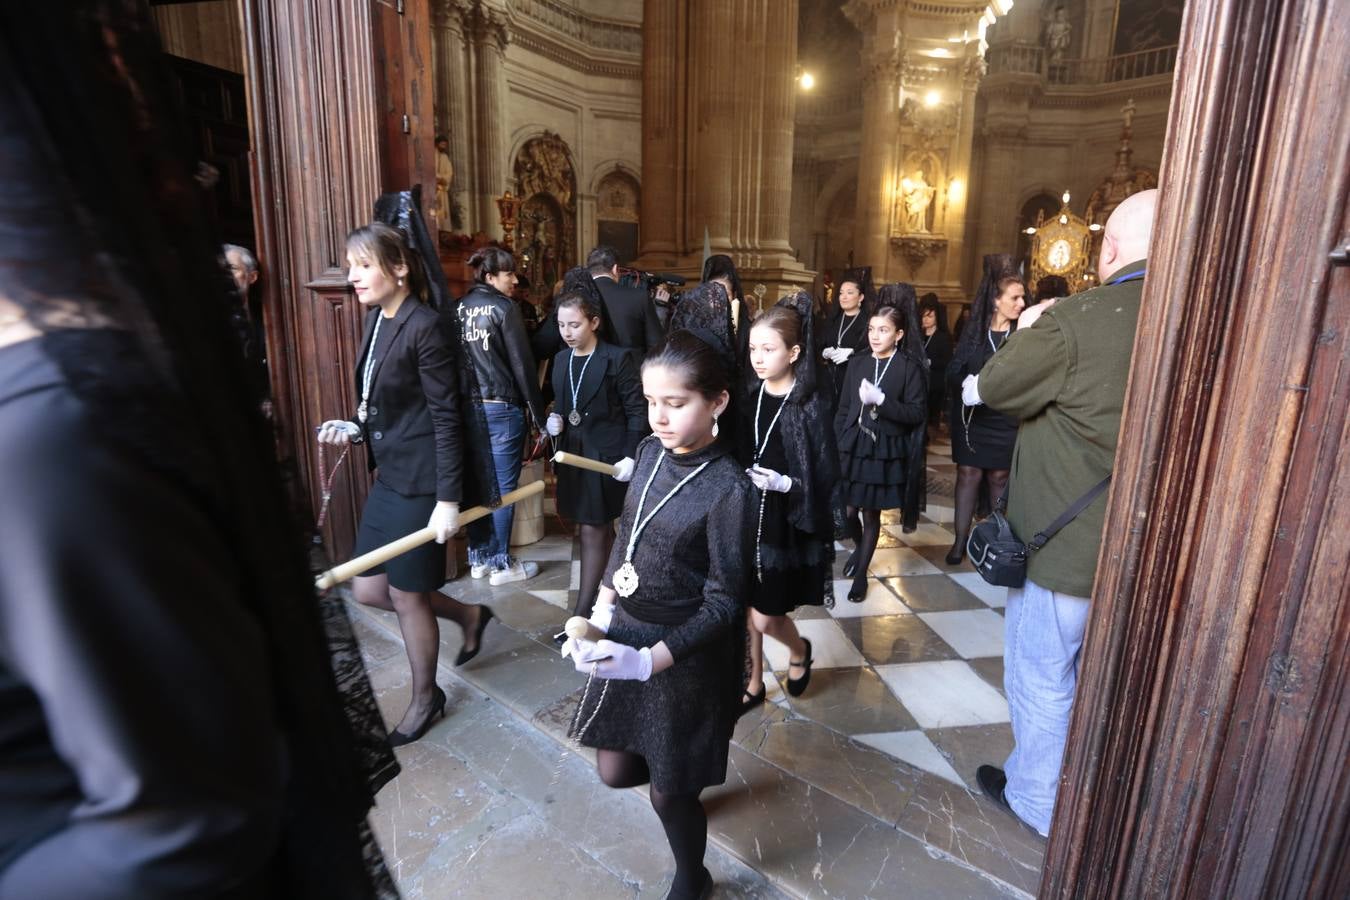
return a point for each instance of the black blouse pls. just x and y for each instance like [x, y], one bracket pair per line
[694, 556]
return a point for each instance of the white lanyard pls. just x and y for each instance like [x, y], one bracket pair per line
[994, 346]
[576, 384]
[839, 340]
[370, 367]
[642, 501]
[759, 448]
[876, 379]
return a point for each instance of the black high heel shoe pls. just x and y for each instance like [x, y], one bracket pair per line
[483, 620]
[398, 738]
[957, 553]
[851, 564]
[797, 686]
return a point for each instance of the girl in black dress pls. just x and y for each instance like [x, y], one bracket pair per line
[844, 332]
[789, 448]
[879, 427]
[982, 439]
[409, 417]
[664, 695]
[937, 347]
[599, 413]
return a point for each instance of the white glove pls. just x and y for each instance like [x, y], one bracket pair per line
[841, 355]
[624, 662]
[601, 615]
[554, 426]
[338, 431]
[769, 480]
[970, 391]
[625, 469]
[445, 520]
[828, 353]
[580, 649]
[870, 394]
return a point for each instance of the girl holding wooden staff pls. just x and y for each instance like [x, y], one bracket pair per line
[598, 413]
[664, 691]
[788, 447]
[408, 416]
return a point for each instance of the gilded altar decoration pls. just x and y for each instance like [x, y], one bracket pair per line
[1060, 245]
[547, 230]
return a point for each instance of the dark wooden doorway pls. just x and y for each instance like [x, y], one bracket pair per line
[1208, 749]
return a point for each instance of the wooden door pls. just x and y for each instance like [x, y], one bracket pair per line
[1208, 750]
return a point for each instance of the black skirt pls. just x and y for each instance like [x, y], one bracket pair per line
[987, 442]
[872, 471]
[680, 720]
[585, 497]
[389, 516]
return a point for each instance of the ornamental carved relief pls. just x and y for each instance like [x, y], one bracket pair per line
[547, 182]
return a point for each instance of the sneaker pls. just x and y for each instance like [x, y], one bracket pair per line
[478, 570]
[518, 571]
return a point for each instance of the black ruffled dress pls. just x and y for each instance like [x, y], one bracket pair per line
[875, 455]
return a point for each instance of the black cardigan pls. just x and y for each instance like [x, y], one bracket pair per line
[614, 419]
[413, 422]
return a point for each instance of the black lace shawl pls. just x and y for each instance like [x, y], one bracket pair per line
[902, 297]
[402, 209]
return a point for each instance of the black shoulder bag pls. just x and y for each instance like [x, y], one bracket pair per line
[998, 555]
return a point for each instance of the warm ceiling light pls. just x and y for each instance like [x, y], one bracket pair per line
[1094, 227]
[940, 53]
[1064, 220]
[932, 98]
[807, 81]
[1028, 230]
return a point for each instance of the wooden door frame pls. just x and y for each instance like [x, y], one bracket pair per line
[1206, 753]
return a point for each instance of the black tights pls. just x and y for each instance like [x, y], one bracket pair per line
[682, 816]
[596, 543]
[968, 480]
[865, 544]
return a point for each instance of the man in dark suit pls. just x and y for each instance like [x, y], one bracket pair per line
[632, 314]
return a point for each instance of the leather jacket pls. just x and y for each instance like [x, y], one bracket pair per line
[497, 345]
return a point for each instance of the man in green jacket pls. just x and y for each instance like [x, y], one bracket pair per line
[1063, 374]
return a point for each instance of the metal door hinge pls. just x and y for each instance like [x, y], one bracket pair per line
[1340, 256]
[407, 125]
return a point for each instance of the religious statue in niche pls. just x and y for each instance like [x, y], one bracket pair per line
[916, 196]
[1057, 32]
[548, 221]
[447, 215]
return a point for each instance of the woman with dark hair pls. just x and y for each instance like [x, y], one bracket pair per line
[494, 339]
[172, 724]
[408, 415]
[670, 665]
[719, 269]
[788, 446]
[845, 329]
[882, 408]
[937, 348]
[982, 439]
[599, 414]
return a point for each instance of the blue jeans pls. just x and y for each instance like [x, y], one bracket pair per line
[490, 537]
[1043, 634]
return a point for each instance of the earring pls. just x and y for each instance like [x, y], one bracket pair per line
[714, 431]
[400, 282]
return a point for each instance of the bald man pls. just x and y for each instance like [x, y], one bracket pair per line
[1063, 374]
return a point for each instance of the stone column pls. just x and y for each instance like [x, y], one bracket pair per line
[490, 39]
[453, 113]
[730, 164]
[662, 132]
[876, 156]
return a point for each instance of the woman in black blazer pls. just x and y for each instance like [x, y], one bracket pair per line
[408, 416]
[598, 412]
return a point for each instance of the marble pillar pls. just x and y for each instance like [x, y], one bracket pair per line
[876, 158]
[489, 47]
[454, 115]
[728, 167]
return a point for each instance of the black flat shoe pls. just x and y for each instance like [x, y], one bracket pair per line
[797, 686]
[398, 738]
[857, 593]
[992, 781]
[749, 701]
[704, 891]
[956, 554]
[483, 620]
[851, 564]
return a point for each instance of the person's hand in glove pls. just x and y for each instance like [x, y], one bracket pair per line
[625, 469]
[769, 480]
[445, 520]
[338, 432]
[624, 662]
[870, 394]
[970, 391]
[554, 426]
[601, 615]
[582, 652]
